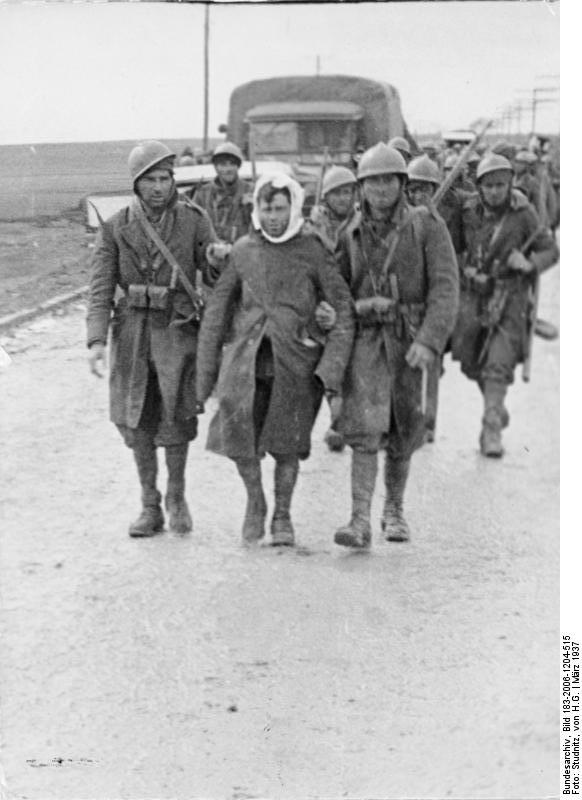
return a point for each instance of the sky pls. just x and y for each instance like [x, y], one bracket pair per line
[95, 71]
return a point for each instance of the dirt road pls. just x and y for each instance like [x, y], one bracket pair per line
[193, 668]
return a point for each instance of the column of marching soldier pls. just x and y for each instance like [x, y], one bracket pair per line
[232, 291]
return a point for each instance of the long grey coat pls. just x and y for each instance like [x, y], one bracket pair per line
[122, 257]
[382, 394]
[273, 290]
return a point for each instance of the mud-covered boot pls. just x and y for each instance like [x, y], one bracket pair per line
[151, 520]
[286, 471]
[254, 522]
[334, 441]
[495, 418]
[179, 519]
[358, 532]
[393, 523]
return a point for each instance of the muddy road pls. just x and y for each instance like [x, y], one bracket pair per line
[193, 668]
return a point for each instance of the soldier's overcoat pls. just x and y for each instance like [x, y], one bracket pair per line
[124, 256]
[227, 207]
[382, 394]
[272, 289]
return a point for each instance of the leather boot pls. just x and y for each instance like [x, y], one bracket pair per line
[358, 532]
[286, 471]
[254, 522]
[393, 523]
[495, 418]
[180, 520]
[151, 519]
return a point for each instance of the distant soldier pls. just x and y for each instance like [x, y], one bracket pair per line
[328, 219]
[401, 144]
[423, 181]
[227, 199]
[524, 180]
[472, 164]
[186, 157]
[400, 265]
[149, 254]
[506, 248]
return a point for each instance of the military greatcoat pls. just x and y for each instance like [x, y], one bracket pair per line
[382, 395]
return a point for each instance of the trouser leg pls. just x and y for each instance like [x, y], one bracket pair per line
[358, 531]
[286, 471]
[395, 477]
[254, 522]
[176, 458]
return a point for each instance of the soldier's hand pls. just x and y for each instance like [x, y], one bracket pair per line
[519, 262]
[97, 359]
[419, 356]
[218, 251]
[335, 406]
[247, 199]
[325, 316]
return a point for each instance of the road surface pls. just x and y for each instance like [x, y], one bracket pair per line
[193, 668]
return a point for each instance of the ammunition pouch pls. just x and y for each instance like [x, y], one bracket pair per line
[155, 298]
[402, 319]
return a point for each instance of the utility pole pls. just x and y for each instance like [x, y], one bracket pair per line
[206, 75]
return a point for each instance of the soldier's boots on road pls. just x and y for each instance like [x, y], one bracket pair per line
[179, 519]
[357, 533]
[393, 523]
[495, 418]
[286, 471]
[334, 441]
[151, 520]
[254, 522]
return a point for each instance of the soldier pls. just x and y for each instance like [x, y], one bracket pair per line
[276, 367]
[227, 199]
[328, 219]
[400, 143]
[338, 194]
[527, 183]
[149, 254]
[505, 250]
[423, 181]
[471, 176]
[400, 265]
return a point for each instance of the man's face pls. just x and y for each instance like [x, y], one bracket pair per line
[155, 188]
[520, 167]
[494, 188]
[227, 169]
[274, 216]
[420, 192]
[381, 191]
[341, 200]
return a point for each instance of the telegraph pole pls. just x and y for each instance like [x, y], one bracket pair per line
[206, 75]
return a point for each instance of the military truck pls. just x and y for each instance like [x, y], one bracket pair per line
[294, 119]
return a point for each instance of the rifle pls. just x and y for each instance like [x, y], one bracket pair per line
[320, 178]
[456, 170]
[252, 157]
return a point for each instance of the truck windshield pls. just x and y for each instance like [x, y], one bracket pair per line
[305, 136]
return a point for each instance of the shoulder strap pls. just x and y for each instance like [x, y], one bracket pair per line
[169, 256]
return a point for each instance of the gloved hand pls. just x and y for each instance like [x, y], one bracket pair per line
[519, 262]
[419, 356]
[325, 316]
[97, 360]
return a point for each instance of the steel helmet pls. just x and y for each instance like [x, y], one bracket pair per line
[381, 160]
[145, 156]
[336, 177]
[474, 158]
[493, 163]
[526, 157]
[424, 169]
[504, 149]
[228, 149]
[400, 143]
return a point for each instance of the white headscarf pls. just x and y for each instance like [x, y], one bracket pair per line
[281, 181]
